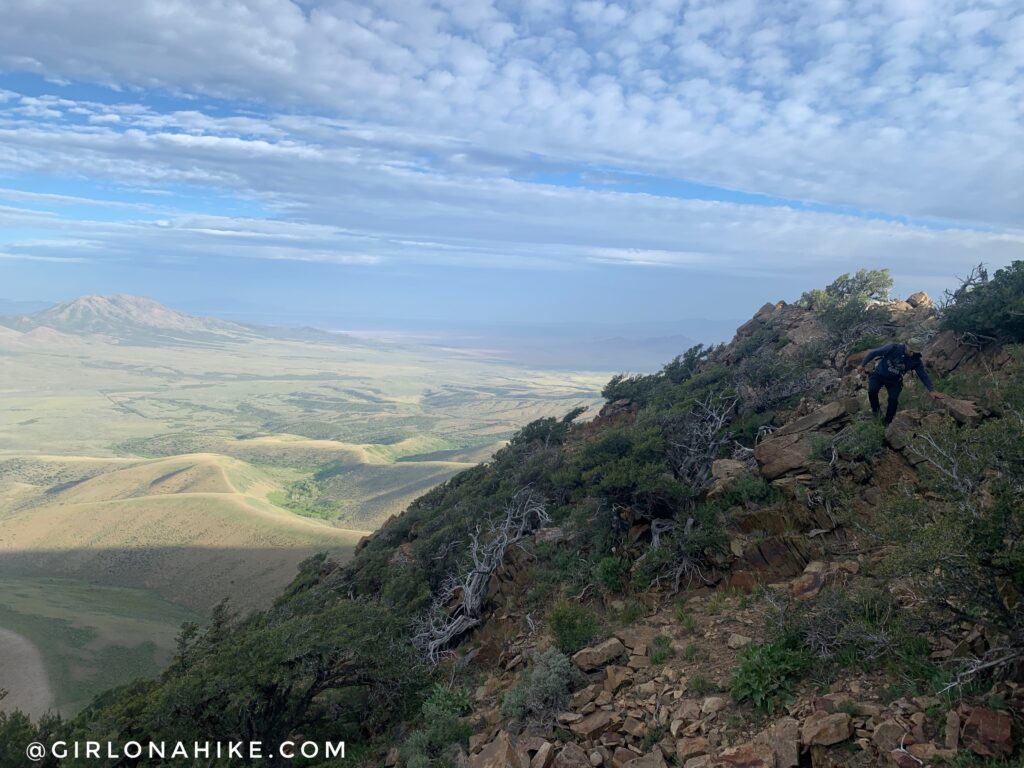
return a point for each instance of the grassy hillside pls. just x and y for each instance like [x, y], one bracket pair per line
[158, 523]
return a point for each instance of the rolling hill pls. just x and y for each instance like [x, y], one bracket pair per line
[191, 527]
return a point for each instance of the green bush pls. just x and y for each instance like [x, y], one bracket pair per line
[542, 690]
[992, 308]
[844, 306]
[862, 440]
[612, 573]
[572, 625]
[766, 675]
[442, 714]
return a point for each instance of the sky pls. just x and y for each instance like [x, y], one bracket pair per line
[474, 162]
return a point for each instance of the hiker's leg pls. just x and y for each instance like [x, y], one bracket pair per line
[874, 384]
[893, 391]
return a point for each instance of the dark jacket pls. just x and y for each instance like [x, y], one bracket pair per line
[894, 363]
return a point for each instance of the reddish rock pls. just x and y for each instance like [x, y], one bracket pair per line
[964, 411]
[621, 756]
[783, 737]
[987, 732]
[598, 655]
[500, 753]
[571, 756]
[747, 756]
[823, 729]
[888, 735]
[653, 760]
[593, 725]
[694, 746]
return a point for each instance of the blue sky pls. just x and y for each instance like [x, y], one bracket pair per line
[471, 162]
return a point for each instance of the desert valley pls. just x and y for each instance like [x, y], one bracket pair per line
[153, 463]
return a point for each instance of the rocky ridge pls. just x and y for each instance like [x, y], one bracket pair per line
[638, 708]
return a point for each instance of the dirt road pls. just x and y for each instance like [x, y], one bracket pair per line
[23, 675]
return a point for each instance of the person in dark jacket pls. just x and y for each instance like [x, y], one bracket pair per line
[894, 362]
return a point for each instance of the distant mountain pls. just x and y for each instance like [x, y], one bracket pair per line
[127, 318]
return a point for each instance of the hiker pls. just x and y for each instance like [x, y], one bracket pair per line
[894, 360]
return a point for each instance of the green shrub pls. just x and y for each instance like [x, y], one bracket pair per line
[844, 307]
[660, 650]
[542, 690]
[991, 308]
[766, 675]
[442, 714]
[612, 573]
[699, 685]
[572, 625]
[861, 440]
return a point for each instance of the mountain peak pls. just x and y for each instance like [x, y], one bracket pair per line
[123, 316]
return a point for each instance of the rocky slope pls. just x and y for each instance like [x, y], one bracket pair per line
[655, 692]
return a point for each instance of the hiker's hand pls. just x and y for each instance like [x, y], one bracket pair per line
[936, 396]
[861, 371]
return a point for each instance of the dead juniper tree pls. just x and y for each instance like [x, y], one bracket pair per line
[458, 605]
[698, 439]
[695, 440]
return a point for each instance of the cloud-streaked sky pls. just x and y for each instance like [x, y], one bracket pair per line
[489, 160]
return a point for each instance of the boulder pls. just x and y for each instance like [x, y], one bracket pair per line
[693, 746]
[704, 761]
[823, 729]
[789, 447]
[621, 756]
[888, 735]
[919, 299]
[783, 737]
[724, 473]
[778, 455]
[593, 725]
[591, 658]
[634, 728]
[751, 755]
[500, 753]
[616, 676]
[544, 756]
[987, 732]
[901, 431]
[779, 555]
[965, 412]
[571, 756]
[713, 704]
[944, 354]
[737, 641]
[653, 760]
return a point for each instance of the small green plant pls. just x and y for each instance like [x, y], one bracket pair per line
[442, 714]
[716, 603]
[612, 573]
[660, 650]
[686, 621]
[654, 734]
[766, 675]
[699, 685]
[691, 652]
[572, 625]
[542, 690]
[629, 611]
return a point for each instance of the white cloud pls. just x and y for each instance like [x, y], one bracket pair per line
[913, 108]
